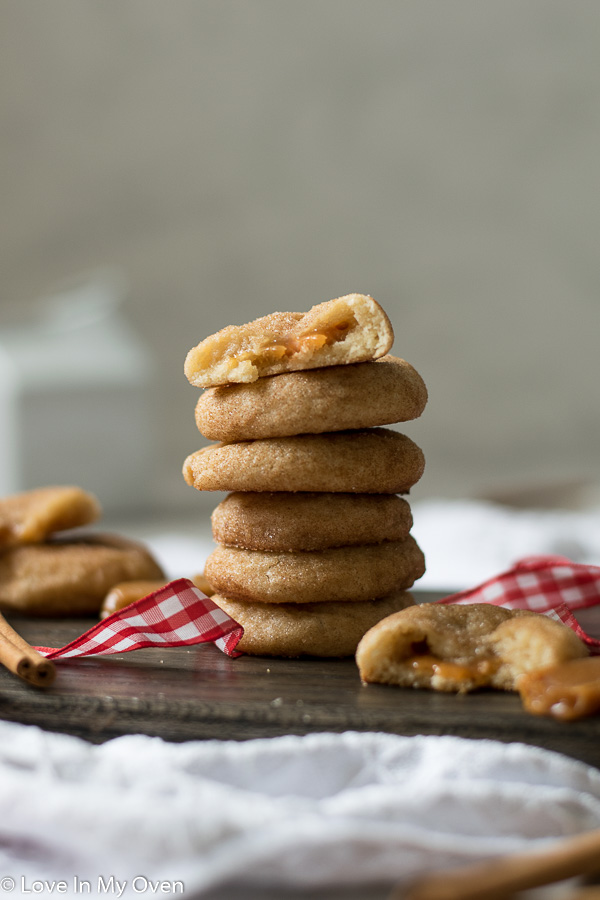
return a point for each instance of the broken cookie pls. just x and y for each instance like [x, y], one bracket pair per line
[461, 648]
[29, 517]
[349, 329]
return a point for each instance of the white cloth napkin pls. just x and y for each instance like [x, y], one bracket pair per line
[468, 541]
[320, 810]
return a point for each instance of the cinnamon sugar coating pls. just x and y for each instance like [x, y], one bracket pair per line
[341, 573]
[371, 461]
[309, 521]
[337, 398]
[70, 577]
[316, 629]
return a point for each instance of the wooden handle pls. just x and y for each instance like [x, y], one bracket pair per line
[21, 659]
[500, 878]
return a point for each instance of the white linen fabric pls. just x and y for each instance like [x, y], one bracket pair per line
[313, 811]
[468, 541]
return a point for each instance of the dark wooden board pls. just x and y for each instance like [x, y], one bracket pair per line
[199, 693]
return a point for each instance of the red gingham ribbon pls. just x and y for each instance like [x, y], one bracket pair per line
[179, 614]
[545, 584]
[176, 615]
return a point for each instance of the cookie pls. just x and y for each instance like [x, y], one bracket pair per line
[29, 517]
[460, 648]
[203, 584]
[315, 629]
[348, 329]
[337, 398]
[127, 592]
[341, 573]
[309, 521]
[368, 461]
[70, 577]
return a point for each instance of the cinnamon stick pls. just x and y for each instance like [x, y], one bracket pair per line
[21, 659]
[502, 877]
[585, 893]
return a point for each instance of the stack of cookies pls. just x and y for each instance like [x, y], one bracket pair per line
[314, 543]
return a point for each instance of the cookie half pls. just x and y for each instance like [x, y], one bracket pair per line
[315, 629]
[460, 648]
[348, 329]
[341, 573]
[29, 517]
[337, 398]
[70, 577]
[309, 521]
[368, 461]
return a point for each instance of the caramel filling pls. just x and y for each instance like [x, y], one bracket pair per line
[473, 674]
[567, 692]
[289, 344]
[318, 337]
[311, 341]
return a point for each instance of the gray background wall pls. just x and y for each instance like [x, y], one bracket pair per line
[233, 158]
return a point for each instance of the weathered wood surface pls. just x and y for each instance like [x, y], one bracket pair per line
[199, 693]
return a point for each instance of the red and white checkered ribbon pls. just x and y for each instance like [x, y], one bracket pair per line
[544, 584]
[177, 615]
[180, 615]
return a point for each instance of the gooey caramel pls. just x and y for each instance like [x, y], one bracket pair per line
[567, 692]
[475, 674]
[290, 344]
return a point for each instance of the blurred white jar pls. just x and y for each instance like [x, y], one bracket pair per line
[76, 387]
